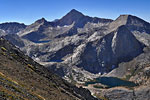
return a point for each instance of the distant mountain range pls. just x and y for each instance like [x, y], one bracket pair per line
[80, 48]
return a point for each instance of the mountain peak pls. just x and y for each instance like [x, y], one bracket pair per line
[69, 18]
[75, 11]
[129, 20]
[41, 20]
[121, 20]
[125, 15]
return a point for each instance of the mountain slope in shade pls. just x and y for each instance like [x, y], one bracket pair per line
[42, 30]
[35, 26]
[23, 79]
[35, 30]
[15, 39]
[12, 28]
[103, 54]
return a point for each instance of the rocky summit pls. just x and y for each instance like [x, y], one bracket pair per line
[81, 49]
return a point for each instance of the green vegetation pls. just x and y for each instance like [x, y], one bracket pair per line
[3, 49]
[133, 72]
[8, 96]
[101, 97]
[90, 82]
[13, 55]
[100, 86]
[127, 77]
[16, 89]
[4, 53]
[31, 67]
[72, 80]
[23, 79]
[39, 96]
[11, 83]
[13, 89]
[8, 79]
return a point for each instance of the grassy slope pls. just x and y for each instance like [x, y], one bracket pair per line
[22, 78]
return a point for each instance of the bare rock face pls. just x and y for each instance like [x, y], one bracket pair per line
[115, 47]
[133, 23]
[141, 93]
[119, 94]
[136, 24]
[2, 32]
[124, 43]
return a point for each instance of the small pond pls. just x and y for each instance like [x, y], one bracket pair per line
[46, 41]
[111, 82]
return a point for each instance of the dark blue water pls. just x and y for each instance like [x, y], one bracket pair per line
[112, 82]
[43, 41]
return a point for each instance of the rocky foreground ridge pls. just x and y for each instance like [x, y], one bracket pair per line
[21, 78]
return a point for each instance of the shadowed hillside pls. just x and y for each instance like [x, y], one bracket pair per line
[23, 79]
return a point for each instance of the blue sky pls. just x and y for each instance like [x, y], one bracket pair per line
[28, 11]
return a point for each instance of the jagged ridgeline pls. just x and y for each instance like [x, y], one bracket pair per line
[96, 45]
[21, 78]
